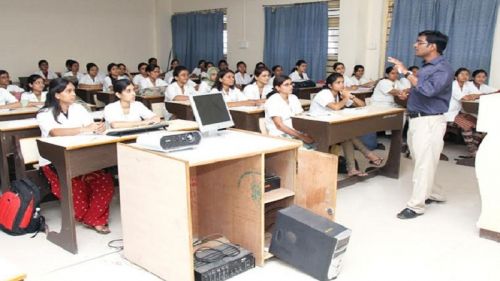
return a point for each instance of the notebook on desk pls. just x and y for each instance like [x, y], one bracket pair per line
[153, 91]
[137, 130]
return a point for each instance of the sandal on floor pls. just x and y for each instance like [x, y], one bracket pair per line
[357, 173]
[101, 229]
[377, 162]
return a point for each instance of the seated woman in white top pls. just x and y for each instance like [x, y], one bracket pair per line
[464, 90]
[208, 82]
[358, 79]
[241, 77]
[113, 74]
[277, 71]
[281, 105]
[179, 89]
[127, 112]
[197, 72]
[335, 97]
[92, 192]
[260, 88]
[123, 72]
[479, 78]
[36, 96]
[74, 73]
[7, 100]
[91, 80]
[169, 76]
[339, 67]
[142, 73]
[232, 95]
[388, 88]
[299, 73]
[153, 79]
[5, 84]
[44, 71]
[404, 82]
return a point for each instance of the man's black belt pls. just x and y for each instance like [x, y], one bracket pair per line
[421, 114]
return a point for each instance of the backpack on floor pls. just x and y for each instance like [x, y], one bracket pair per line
[20, 209]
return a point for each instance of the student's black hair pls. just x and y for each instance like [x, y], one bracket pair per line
[171, 62]
[389, 69]
[260, 64]
[142, 64]
[202, 61]
[2, 72]
[337, 64]
[297, 64]
[177, 70]
[32, 80]
[218, 84]
[69, 63]
[436, 37]
[121, 64]
[278, 81]
[42, 61]
[238, 65]
[276, 67]
[56, 86]
[150, 60]
[209, 62]
[151, 67]
[479, 71]
[120, 85]
[460, 70]
[331, 79]
[110, 66]
[73, 62]
[356, 68]
[258, 71]
[220, 62]
[90, 65]
[413, 68]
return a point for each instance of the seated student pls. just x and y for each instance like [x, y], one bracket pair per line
[36, 95]
[123, 72]
[277, 71]
[142, 73]
[210, 64]
[91, 80]
[222, 65]
[462, 90]
[281, 105]
[388, 88]
[404, 82]
[201, 69]
[336, 97]
[92, 193]
[7, 100]
[299, 72]
[260, 88]
[260, 65]
[127, 113]
[74, 73]
[207, 83]
[5, 84]
[232, 95]
[179, 89]
[339, 67]
[152, 61]
[169, 76]
[44, 71]
[241, 77]
[479, 78]
[153, 79]
[113, 75]
[358, 78]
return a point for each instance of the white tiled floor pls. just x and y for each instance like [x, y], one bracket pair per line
[441, 245]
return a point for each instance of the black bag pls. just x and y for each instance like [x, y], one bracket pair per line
[304, 84]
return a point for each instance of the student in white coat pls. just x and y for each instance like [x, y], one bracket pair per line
[281, 105]
[36, 96]
[127, 112]
[142, 73]
[358, 78]
[153, 79]
[299, 72]
[479, 78]
[242, 77]
[123, 72]
[91, 80]
[179, 89]
[277, 71]
[169, 76]
[200, 70]
[388, 88]
[113, 74]
[232, 95]
[208, 82]
[47, 75]
[339, 67]
[5, 84]
[74, 72]
[333, 98]
[260, 88]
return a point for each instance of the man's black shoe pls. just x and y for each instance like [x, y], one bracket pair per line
[407, 214]
[430, 201]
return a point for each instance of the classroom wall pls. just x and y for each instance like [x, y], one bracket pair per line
[100, 31]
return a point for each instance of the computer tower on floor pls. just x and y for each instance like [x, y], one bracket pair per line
[309, 242]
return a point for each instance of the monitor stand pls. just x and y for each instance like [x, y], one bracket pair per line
[212, 133]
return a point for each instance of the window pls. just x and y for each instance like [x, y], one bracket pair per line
[224, 36]
[333, 34]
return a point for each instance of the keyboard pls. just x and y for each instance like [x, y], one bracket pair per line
[135, 131]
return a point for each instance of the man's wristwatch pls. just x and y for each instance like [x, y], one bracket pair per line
[408, 73]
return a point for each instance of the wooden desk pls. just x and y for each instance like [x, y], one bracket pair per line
[471, 107]
[148, 100]
[346, 124]
[106, 97]
[18, 113]
[78, 155]
[86, 95]
[23, 128]
[363, 93]
[217, 187]
[305, 93]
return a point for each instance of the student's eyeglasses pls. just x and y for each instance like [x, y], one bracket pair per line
[287, 84]
[421, 42]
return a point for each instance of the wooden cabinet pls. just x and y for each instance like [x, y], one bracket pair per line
[170, 200]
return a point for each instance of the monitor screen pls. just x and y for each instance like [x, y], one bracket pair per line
[211, 111]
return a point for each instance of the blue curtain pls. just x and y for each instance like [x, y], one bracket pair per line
[197, 36]
[469, 24]
[296, 32]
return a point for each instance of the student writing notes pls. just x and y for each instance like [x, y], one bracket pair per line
[260, 88]
[127, 112]
[299, 73]
[92, 193]
[180, 89]
[232, 95]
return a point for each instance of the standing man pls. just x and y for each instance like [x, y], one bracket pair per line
[429, 98]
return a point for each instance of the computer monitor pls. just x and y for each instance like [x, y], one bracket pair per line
[210, 112]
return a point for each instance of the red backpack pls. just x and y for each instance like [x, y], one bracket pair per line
[20, 209]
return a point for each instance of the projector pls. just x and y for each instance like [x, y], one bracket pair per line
[169, 141]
